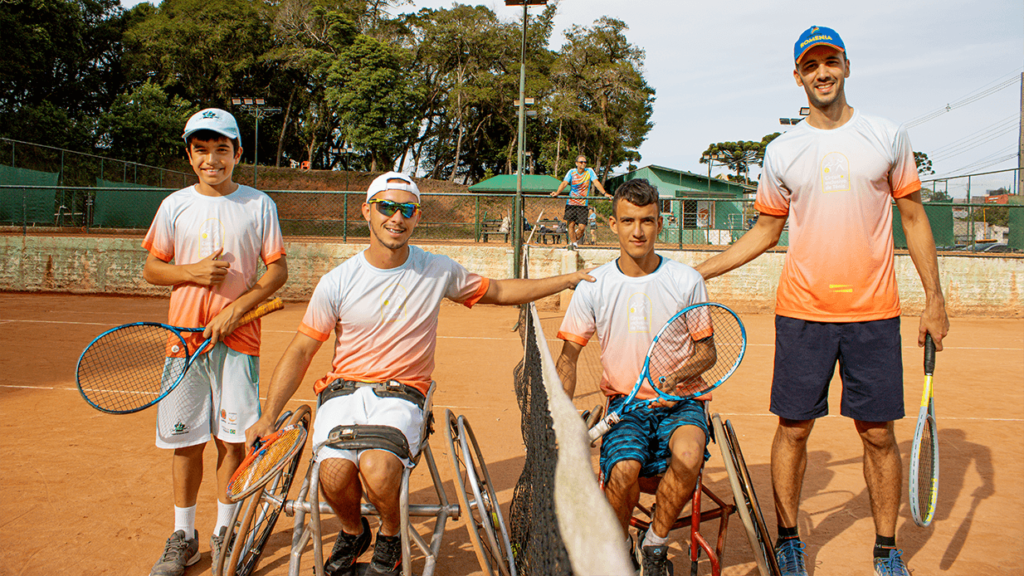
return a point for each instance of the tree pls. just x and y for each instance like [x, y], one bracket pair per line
[738, 156]
[600, 94]
[145, 126]
[924, 165]
[930, 195]
[61, 66]
[369, 91]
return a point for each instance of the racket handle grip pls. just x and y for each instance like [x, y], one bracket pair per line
[602, 426]
[929, 355]
[261, 311]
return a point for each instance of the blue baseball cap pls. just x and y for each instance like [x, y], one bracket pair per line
[817, 36]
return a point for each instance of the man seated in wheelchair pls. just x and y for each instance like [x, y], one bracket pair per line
[632, 297]
[382, 305]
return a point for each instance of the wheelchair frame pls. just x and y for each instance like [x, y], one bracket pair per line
[483, 513]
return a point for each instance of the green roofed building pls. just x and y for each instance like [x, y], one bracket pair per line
[532, 184]
[696, 209]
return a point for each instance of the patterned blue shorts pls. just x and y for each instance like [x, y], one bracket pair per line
[643, 435]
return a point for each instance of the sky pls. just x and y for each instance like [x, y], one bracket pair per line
[722, 71]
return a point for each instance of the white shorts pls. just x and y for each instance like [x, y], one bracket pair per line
[219, 396]
[365, 407]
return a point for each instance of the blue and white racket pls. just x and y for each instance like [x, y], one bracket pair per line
[694, 353]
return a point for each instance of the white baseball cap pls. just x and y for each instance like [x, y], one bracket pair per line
[215, 120]
[380, 184]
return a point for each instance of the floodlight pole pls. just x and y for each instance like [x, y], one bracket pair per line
[257, 107]
[517, 222]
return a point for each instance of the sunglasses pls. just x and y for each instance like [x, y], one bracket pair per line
[388, 208]
[581, 161]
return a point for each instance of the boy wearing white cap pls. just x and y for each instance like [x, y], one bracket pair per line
[382, 304]
[834, 178]
[206, 242]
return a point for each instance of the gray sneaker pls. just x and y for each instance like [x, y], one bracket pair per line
[216, 544]
[178, 553]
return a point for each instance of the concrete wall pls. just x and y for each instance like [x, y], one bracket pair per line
[974, 285]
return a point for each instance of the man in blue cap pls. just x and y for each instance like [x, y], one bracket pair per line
[834, 178]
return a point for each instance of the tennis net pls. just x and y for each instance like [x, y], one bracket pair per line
[560, 522]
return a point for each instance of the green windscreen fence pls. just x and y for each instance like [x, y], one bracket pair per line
[941, 219]
[132, 206]
[1016, 221]
[26, 205]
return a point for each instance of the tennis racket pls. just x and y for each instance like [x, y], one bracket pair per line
[267, 457]
[132, 367]
[924, 457]
[694, 353]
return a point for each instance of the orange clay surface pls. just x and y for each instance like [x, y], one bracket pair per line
[87, 493]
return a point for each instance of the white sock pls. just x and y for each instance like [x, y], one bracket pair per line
[653, 540]
[185, 520]
[224, 512]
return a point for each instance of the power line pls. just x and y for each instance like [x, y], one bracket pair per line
[1006, 154]
[978, 141]
[1011, 120]
[978, 94]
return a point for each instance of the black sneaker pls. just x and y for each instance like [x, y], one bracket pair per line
[387, 556]
[347, 549]
[178, 553]
[654, 561]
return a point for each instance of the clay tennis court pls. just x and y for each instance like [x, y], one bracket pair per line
[83, 492]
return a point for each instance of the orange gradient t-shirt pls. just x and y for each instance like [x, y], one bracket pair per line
[627, 313]
[836, 187]
[385, 321]
[189, 226]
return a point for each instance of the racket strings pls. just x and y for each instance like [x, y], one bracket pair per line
[268, 460]
[696, 351]
[924, 475]
[129, 367]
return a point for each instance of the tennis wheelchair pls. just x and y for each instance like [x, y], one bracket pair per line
[745, 504]
[477, 502]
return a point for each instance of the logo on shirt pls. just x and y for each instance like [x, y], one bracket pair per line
[211, 237]
[835, 173]
[392, 304]
[639, 316]
[841, 288]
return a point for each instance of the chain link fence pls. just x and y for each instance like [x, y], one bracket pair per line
[94, 195]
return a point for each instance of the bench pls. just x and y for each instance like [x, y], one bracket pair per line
[493, 228]
[551, 229]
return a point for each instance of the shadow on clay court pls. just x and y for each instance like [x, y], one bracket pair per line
[957, 455]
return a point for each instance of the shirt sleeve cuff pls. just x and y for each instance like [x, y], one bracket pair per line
[484, 285]
[314, 334]
[572, 338]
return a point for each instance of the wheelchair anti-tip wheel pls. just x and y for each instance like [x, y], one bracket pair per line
[254, 517]
[486, 526]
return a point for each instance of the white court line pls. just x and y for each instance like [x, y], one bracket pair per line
[768, 415]
[761, 414]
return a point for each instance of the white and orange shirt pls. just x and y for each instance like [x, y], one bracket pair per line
[626, 313]
[837, 187]
[385, 321]
[189, 226]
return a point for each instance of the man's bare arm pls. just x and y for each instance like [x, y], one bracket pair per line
[764, 235]
[286, 380]
[566, 366]
[921, 245]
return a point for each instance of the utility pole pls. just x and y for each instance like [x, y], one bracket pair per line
[1020, 142]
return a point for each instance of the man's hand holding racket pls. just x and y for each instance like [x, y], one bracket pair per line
[694, 353]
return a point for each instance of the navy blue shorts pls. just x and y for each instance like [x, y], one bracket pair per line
[643, 435]
[870, 364]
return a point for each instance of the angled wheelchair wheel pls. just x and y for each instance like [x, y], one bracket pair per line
[258, 513]
[746, 500]
[477, 499]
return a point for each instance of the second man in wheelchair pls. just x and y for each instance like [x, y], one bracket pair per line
[634, 296]
[382, 304]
